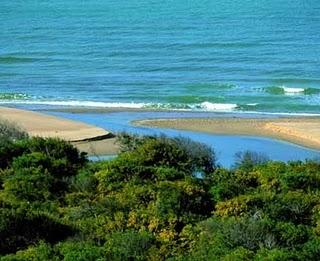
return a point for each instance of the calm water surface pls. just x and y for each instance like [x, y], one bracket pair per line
[240, 55]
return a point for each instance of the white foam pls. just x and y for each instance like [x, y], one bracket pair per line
[306, 114]
[205, 106]
[291, 91]
[208, 106]
[79, 103]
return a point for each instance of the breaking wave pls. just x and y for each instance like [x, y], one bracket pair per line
[283, 90]
[204, 106]
[252, 108]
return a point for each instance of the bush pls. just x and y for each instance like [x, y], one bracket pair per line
[227, 184]
[21, 228]
[40, 169]
[294, 206]
[80, 251]
[39, 252]
[180, 153]
[129, 245]
[66, 159]
[11, 131]
[29, 185]
[150, 204]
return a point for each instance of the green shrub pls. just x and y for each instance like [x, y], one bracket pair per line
[11, 131]
[29, 184]
[160, 199]
[66, 159]
[40, 252]
[128, 245]
[19, 229]
[80, 251]
[190, 155]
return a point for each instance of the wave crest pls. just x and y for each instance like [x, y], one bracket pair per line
[283, 90]
[204, 106]
[208, 106]
[14, 96]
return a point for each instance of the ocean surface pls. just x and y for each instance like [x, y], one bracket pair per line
[192, 55]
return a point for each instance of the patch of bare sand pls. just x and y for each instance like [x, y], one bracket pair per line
[88, 138]
[98, 147]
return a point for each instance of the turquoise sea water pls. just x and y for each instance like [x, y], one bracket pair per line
[240, 55]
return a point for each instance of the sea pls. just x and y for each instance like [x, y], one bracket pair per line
[257, 56]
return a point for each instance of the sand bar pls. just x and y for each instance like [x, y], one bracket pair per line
[91, 139]
[303, 131]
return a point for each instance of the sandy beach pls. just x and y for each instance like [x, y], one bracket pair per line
[302, 131]
[88, 138]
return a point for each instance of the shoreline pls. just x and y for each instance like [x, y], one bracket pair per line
[99, 110]
[303, 131]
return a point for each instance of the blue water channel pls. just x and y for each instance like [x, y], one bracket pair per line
[225, 146]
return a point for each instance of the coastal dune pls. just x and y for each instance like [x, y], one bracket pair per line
[88, 138]
[302, 131]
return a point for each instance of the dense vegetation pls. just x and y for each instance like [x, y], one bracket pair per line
[159, 199]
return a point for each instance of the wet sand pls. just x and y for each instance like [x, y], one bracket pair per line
[303, 131]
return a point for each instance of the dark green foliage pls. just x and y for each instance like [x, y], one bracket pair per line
[201, 156]
[189, 155]
[19, 229]
[294, 206]
[310, 250]
[40, 168]
[85, 180]
[128, 245]
[304, 176]
[228, 184]
[67, 159]
[8, 151]
[29, 184]
[39, 252]
[160, 199]
[80, 251]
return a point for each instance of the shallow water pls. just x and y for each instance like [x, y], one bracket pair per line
[241, 55]
[225, 146]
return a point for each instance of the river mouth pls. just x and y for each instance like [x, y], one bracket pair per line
[225, 146]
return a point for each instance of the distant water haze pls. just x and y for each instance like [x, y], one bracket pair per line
[240, 56]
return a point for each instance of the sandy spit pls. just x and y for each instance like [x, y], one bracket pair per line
[303, 131]
[88, 138]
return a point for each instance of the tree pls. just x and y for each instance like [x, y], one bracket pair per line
[247, 160]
